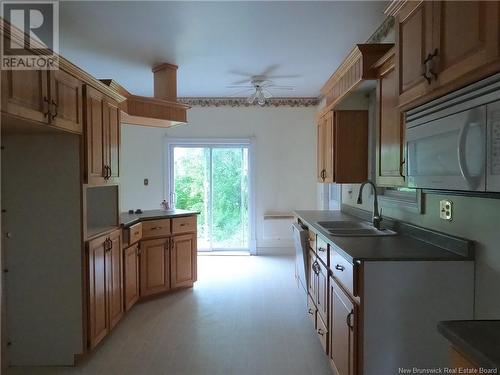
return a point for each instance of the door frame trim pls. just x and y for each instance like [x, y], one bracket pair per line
[249, 143]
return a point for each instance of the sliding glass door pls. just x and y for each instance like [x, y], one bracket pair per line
[213, 179]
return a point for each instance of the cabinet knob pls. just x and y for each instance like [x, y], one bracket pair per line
[348, 319]
[55, 109]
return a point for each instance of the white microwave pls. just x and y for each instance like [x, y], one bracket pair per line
[453, 143]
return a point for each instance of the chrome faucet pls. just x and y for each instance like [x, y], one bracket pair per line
[377, 216]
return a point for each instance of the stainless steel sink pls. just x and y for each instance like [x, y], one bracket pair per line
[353, 229]
[341, 224]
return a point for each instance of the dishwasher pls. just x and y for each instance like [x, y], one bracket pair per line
[300, 239]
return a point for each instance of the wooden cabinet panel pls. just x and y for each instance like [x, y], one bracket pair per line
[351, 146]
[97, 307]
[321, 149]
[132, 234]
[154, 266]
[114, 273]
[25, 93]
[322, 296]
[112, 137]
[131, 275]
[322, 331]
[66, 101]
[343, 331]
[466, 36]
[94, 136]
[184, 224]
[311, 310]
[183, 260]
[312, 285]
[322, 250]
[390, 133]
[343, 147]
[155, 228]
[414, 43]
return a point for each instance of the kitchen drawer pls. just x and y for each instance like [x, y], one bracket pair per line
[343, 271]
[322, 332]
[311, 310]
[322, 250]
[132, 234]
[155, 228]
[184, 224]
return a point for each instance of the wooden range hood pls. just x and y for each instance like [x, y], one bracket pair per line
[162, 110]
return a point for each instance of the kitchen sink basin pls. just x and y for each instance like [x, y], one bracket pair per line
[341, 225]
[353, 229]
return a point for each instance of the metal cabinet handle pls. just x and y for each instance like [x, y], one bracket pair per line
[321, 332]
[348, 319]
[339, 267]
[322, 249]
[110, 172]
[46, 100]
[401, 168]
[106, 175]
[55, 108]
[136, 233]
[428, 67]
[323, 174]
[310, 311]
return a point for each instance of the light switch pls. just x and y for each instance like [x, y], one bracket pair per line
[445, 209]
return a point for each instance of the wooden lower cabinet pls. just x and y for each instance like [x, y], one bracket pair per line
[131, 275]
[343, 329]
[183, 260]
[105, 285]
[154, 266]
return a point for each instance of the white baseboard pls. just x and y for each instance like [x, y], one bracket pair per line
[275, 251]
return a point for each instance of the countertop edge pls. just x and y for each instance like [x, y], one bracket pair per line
[167, 215]
[474, 354]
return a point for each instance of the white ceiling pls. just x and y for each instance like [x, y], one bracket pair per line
[214, 42]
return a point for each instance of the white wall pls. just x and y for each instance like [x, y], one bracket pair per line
[284, 154]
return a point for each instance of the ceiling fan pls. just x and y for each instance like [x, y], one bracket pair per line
[259, 88]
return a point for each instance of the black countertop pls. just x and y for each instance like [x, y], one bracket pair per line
[478, 340]
[127, 219]
[401, 247]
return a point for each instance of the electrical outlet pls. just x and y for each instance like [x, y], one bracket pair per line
[445, 209]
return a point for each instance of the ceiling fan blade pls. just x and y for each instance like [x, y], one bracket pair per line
[239, 86]
[269, 70]
[267, 94]
[241, 81]
[284, 76]
[290, 88]
[252, 98]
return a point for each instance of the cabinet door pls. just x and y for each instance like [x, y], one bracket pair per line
[66, 101]
[322, 291]
[351, 146]
[343, 331]
[97, 308]
[112, 137]
[466, 36]
[329, 152]
[25, 94]
[320, 149]
[390, 140]
[183, 255]
[413, 44]
[131, 275]
[312, 280]
[155, 266]
[114, 272]
[94, 137]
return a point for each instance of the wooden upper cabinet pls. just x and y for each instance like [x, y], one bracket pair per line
[413, 44]
[66, 101]
[343, 329]
[390, 131]
[452, 43]
[155, 266]
[343, 147]
[112, 137]
[25, 93]
[466, 37]
[98, 326]
[102, 138]
[183, 260]
[114, 274]
[131, 275]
